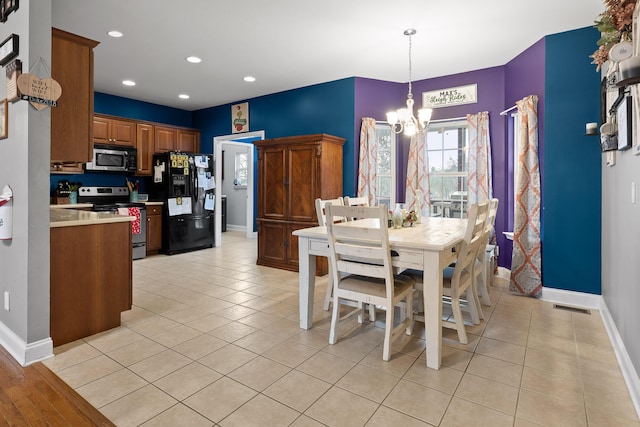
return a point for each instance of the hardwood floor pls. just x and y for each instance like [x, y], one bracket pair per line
[33, 395]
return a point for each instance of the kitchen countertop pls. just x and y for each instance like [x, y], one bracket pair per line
[74, 206]
[90, 205]
[73, 217]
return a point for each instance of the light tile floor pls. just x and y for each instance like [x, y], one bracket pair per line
[213, 339]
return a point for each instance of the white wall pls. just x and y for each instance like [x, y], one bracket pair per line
[24, 165]
[236, 196]
[621, 248]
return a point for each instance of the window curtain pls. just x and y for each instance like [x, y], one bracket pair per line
[418, 175]
[367, 176]
[479, 158]
[526, 264]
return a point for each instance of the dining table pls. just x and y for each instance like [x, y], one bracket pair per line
[429, 246]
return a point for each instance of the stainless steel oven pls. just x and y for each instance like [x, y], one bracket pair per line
[116, 201]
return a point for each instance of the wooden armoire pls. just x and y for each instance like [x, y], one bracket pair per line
[292, 173]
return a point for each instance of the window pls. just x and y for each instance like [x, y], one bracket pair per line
[447, 155]
[386, 167]
[241, 170]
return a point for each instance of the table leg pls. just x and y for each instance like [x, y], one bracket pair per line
[307, 269]
[432, 284]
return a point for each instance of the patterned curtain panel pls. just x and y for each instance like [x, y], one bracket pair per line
[368, 160]
[418, 175]
[479, 181]
[526, 264]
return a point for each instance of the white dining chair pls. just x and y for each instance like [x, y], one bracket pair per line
[484, 265]
[458, 287]
[355, 201]
[320, 212]
[361, 266]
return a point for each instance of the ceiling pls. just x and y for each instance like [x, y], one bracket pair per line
[287, 44]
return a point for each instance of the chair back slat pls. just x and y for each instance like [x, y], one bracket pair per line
[320, 209]
[355, 201]
[360, 250]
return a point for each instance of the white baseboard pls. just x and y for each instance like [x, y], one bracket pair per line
[25, 354]
[233, 227]
[576, 299]
[629, 373]
[580, 299]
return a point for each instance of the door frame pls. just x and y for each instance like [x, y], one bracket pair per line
[218, 144]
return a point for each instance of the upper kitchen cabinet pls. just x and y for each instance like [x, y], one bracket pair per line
[188, 141]
[72, 118]
[145, 146]
[110, 130]
[165, 139]
[176, 139]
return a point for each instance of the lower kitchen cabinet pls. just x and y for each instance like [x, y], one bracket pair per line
[90, 279]
[154, 229]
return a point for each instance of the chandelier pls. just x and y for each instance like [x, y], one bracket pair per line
[403, 118]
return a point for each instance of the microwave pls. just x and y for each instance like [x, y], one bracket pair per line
[113, 158]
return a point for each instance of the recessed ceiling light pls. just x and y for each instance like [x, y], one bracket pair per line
[128, 83]
[183, 96]
[249, 79]
[115, 33]
[194, 59]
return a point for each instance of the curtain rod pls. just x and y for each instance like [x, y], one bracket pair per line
[504, 113]
[448, 120]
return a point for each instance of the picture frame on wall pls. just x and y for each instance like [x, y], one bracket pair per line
[4, 119]
[624, 116]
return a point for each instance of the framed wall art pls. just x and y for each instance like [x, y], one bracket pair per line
[624, 115]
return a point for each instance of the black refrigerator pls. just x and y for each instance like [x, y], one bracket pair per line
[185, 183]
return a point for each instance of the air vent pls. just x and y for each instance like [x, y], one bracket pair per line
[574, 309]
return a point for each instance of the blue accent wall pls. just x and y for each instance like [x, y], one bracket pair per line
[323, 108]
[572, 176]
[140, 110]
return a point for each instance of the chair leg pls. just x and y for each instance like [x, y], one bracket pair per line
[329, 293]
[372, 312]
[388, 328]
[487, 272]
[457, 316]
[476, 311]
[409, 313]
[334, 321]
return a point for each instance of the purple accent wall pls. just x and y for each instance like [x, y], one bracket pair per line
[373, 98]
[524, 76]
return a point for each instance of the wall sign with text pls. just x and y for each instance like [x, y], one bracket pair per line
[451, 96]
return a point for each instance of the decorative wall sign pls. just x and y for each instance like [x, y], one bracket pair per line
[9, 49]
[14, 69]
[240, 117]
[4, 119]
[452, 96]
[41, 93]
[6, 7]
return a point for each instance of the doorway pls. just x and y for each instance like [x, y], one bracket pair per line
[235, 143]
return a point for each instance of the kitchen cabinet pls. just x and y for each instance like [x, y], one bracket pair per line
[292, 173]
[145, 146]
[107, 130]
[164, 139]
[90, 279]
[169, 138]
[188, 141]
[72, 118]
[154, 229]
